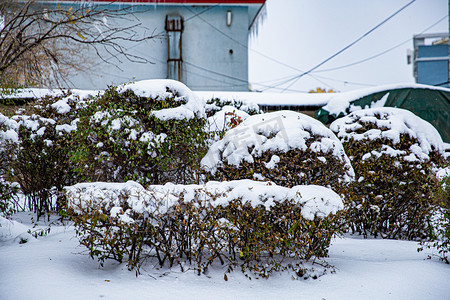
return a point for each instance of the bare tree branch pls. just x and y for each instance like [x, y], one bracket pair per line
[41, 44]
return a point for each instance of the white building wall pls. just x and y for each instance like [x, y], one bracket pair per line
[215, 56]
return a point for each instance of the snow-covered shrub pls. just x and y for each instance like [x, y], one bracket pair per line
[36, 155]
[443, 195]
[152, 131]
[8, 197]
[438, 235]
[393, 153]
[285, 147]
[8, 137]
[441, 237]
[439, 224]
[253, 226]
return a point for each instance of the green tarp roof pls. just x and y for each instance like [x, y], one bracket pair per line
[432, 105]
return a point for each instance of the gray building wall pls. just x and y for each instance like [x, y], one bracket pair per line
[215, 56]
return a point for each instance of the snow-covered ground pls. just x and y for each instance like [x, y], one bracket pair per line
[56, 267]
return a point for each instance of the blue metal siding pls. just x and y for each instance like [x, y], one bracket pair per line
[433, 71]
[432, 51]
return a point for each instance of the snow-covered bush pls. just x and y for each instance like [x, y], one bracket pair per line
[285, 147]
[152, 131]
[8, 197]
[253, 226]
[443, 195]
[438, 235]
[439, 225]
[35, 144]
[393, 153]
[8, 137]
[217, 104]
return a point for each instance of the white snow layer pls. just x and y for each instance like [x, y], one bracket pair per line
[158, 89]
[250, 99]
[277, 131]
[12, 228]
[316, 201]
[54, 267]
[335, 102]
[37, 93]
[243, 100]
[443, 173]
[391, 123]
[339, 102]
[9, 131]
[61, 106]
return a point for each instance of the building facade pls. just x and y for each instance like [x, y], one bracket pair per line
[431, 59]
[202, 43]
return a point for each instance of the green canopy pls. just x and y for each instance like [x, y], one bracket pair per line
[432, 105]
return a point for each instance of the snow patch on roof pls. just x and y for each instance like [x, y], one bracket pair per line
[272, 99]
[332, 102]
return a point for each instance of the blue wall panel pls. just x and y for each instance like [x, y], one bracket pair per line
[433, 72]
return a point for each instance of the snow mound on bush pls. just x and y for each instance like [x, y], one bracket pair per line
[37, 93]
[8, 130]
[13, 230]
[162, 88]
[389, 124]
[216, 100]
[61, 120]
[62, 106]
[317, 201]
[277, 131]
[443, 173]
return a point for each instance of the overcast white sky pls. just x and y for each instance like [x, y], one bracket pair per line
[303, 33]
